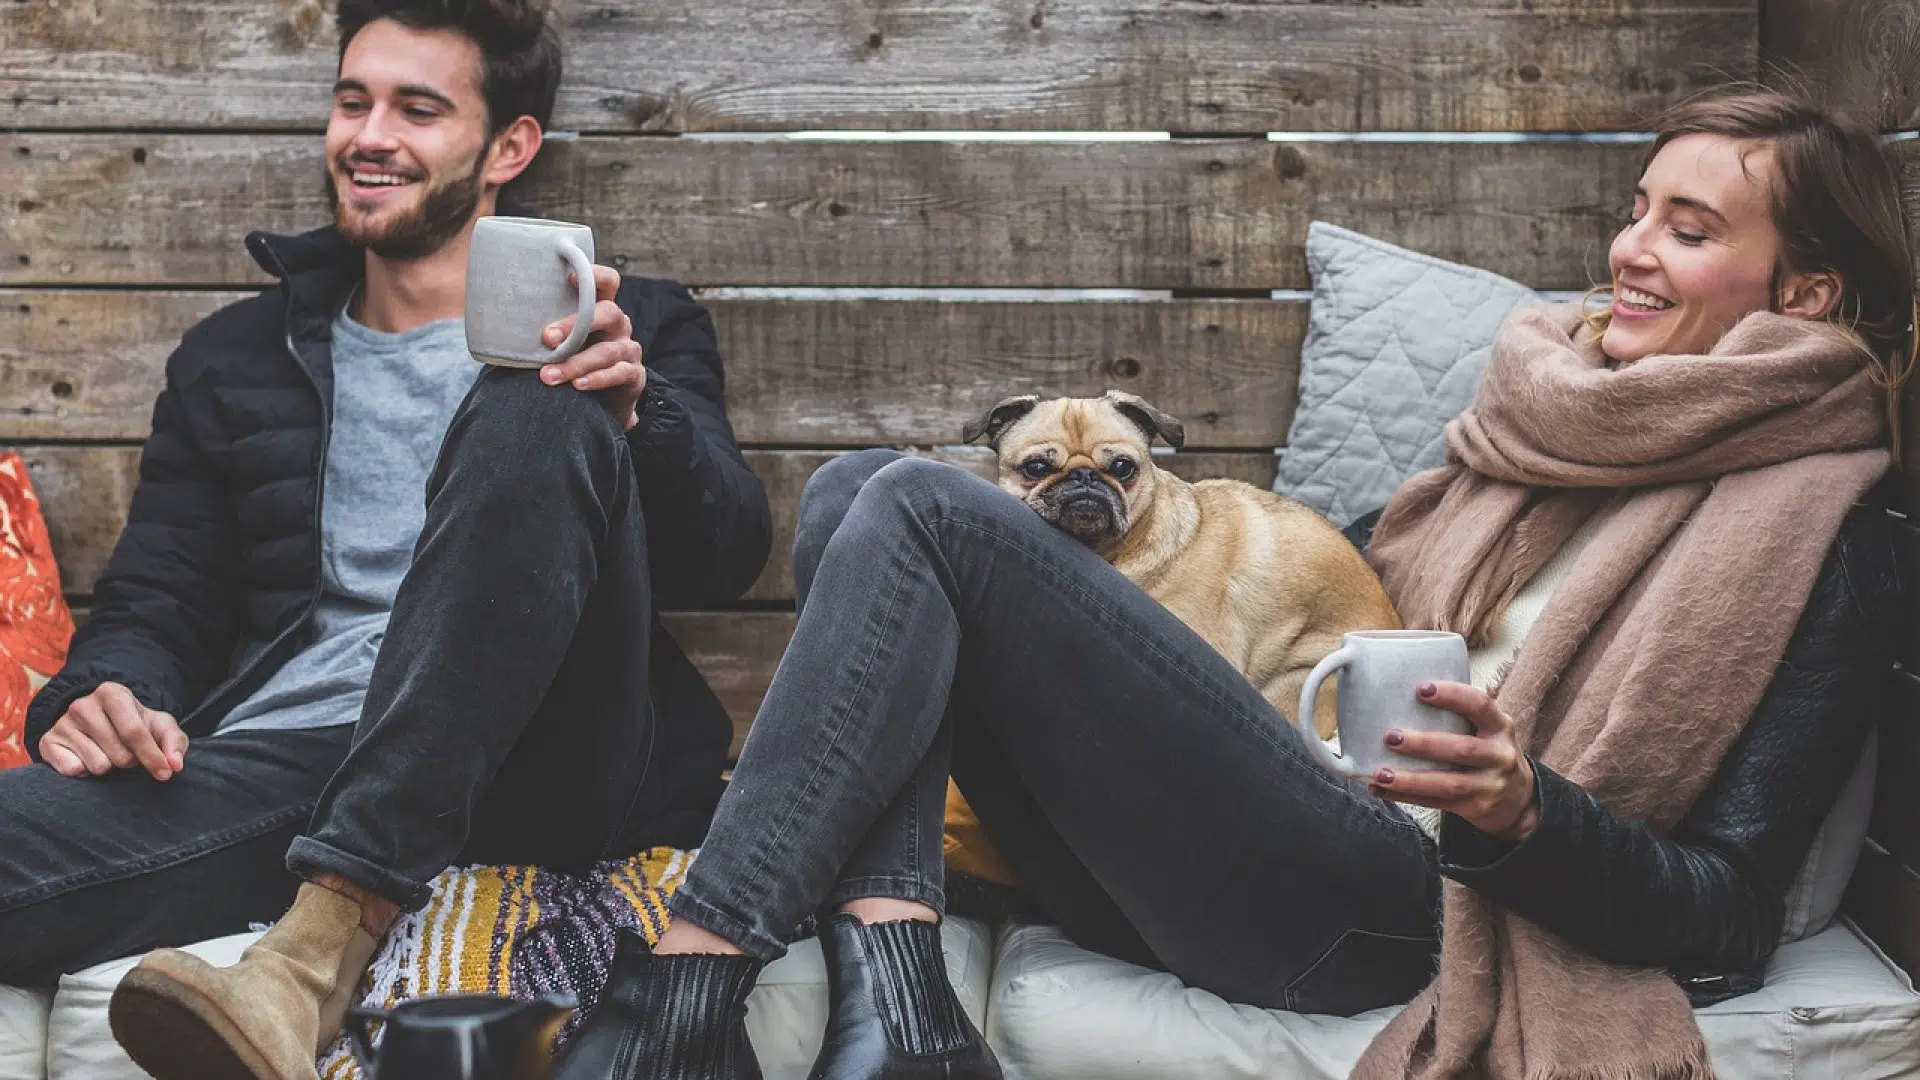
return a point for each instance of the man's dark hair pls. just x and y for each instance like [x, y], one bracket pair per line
[519, 46]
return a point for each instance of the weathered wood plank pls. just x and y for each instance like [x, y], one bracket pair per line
[84, 364]
[1181, 65]
[171, 210]
[738, 652]
[85, 491]
[1884, 898]
[1862, 56]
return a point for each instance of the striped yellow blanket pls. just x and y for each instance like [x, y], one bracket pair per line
[517, 931]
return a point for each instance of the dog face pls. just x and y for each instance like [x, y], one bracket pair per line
[1081, 463]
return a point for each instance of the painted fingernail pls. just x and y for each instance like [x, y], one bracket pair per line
[580, 383]
[1396, 737]
[1384, 776]
[1427, 689]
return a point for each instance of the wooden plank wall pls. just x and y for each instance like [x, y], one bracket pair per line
[143, 139]
[140, 139]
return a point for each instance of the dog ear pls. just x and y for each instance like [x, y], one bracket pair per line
[999, 418]
[1151, 420]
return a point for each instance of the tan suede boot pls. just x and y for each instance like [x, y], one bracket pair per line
[265, 1018]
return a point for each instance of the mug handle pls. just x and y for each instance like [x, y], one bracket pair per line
[358, 1040]
[583, 320]
[1309, 695]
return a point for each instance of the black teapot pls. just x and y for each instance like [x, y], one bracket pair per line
[460, 1037]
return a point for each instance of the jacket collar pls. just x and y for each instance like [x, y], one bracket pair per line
[319, 269]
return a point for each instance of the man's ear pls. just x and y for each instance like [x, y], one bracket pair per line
[1149, 419]
[512, 150]
[999, 418]
[1810, 296]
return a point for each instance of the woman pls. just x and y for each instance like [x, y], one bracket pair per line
[1647, 528]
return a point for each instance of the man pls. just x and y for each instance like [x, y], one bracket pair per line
[479, 678]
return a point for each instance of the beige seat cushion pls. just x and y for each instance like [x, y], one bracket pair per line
[786, 1016]
[23, 1033]
[1833, 1007]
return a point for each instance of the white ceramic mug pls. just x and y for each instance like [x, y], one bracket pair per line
[1380, 672]
[517, 285]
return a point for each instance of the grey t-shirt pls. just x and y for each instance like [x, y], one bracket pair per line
[393, 397]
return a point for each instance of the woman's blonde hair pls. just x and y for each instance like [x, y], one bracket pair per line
[1838, 209]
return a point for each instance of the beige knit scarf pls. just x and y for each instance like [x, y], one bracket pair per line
[1720, 482]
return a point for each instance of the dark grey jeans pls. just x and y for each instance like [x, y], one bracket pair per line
[1146, 795]
[507, 721]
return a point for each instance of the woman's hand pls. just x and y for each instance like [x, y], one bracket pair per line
[1494, 792]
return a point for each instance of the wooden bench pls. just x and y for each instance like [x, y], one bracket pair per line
[141, 145]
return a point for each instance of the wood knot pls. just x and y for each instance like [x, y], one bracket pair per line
[62, 389]
[1530, 73]
[1038, 20]
[876, 39]
[837, 209]
[1288, 162]
[303, 22]
[139, 155]
[1125, 368]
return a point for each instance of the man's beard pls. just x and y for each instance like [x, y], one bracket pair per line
[420, 231]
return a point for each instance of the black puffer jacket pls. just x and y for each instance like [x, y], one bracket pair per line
[219, 565]
[1706, 901]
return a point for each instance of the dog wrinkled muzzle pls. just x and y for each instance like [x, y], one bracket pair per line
[1087, 510]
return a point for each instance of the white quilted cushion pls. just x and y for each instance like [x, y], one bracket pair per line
[786, 1015]
[1396, 341]
[23, 1033]
[80, 1045]
[1833, 1009]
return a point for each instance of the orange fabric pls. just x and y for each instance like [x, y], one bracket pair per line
[34, 621]
[966, 845]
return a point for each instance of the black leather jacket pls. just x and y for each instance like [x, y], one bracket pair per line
[1706, 901]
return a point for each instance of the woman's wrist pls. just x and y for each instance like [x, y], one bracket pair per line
[1528, 819]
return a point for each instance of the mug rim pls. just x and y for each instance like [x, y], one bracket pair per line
[1403, 635]
[540, 223]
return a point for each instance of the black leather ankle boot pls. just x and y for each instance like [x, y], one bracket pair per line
[892, 1014]
[666, 1018]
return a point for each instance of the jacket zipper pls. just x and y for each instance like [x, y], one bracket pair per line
[319, 500]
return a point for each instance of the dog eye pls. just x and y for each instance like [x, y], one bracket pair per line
[1122, 468]
[1037, 469]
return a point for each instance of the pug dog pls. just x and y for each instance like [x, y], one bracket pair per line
[1268, 582]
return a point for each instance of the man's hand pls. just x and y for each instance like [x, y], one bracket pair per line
[610, 363]
[108, 730]
[1495, 789]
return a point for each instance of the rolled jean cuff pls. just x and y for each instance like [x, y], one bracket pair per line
[911, 890]
[758, 944]
[308, 857]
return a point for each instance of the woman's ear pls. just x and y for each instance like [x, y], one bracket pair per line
[1810, 296]
[512, 150]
